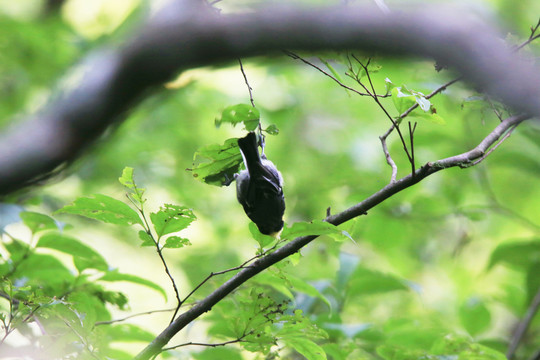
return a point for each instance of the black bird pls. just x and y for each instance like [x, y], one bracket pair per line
[259, 188]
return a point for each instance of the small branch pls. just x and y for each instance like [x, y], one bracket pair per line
[531, 38]
[536, 356]
[523, 325]
[297, 57]
[206, 344]
[159, 251]
[508, 133]
[247, 83]
[429, 96]
[411, 139]
[388, 157]
[467, 159]
[97, 323]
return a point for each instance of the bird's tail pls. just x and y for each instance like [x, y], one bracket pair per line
[250, 151]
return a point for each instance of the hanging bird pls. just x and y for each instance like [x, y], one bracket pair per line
[259, 187]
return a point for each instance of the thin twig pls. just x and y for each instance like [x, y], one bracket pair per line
[163, 261]
[247, 83]
[508, 133]
[97, 323]
[205, 344]
[531, 38]
[388, 157]
[523, 325]
[297, 57]
[411, 139]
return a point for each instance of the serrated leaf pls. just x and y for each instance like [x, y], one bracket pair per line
[216, 164]
[37, 222]
[176, 242]
[240, 113]
[103, 208]
[84, 256]
[147, 239]
[306, 347]
[519, 254]
[171, 218]
[474, 316]
[128, 182]
[112, 276]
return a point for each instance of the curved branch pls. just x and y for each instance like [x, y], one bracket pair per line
[184, 36]
[295, 245]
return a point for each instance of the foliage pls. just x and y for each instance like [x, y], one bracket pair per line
[443, 270]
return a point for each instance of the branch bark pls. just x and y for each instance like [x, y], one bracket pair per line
[295, 245]
[185, 36]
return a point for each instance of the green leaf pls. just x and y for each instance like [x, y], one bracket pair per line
[304, 287]
[129, 333]
[216, 164]
[305, 347]
[218, 353]
[332, 70]
[429, 116]
[464, 348]
[176, 242]
[365, 281]
[37, 222]
[474, 316]
[422, 102]
[402, 99]
[171, 218]
[17, 249]
[275, 281]
[103, 208]
[518, 254]
[84, 257]
[135, 192]
[316, 227]
[272, 130]
[262, 239]
[389, 85]
[44, 270]
[241, 113]
[112, 276]
[147, 239]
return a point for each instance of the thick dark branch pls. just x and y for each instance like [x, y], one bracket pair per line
[295, 245]
[182, 37]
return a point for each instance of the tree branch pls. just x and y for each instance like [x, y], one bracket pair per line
[524, 325]
[116, 80]
[295, 245]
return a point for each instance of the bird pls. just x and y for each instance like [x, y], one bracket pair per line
[259, 188]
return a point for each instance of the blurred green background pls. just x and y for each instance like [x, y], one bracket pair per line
[437, 237]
